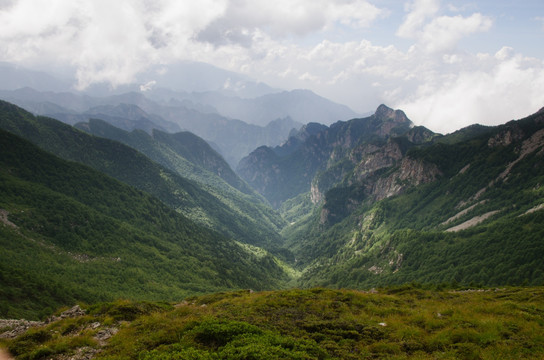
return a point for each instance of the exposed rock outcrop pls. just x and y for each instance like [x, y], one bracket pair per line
[13, 328]
[75, 311]
[318, 157]
[410, 173]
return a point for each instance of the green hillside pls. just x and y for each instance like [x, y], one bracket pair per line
[392, 323]
[480, 221]
[130, 166]
[192, 158]
[183, 152]
[70, 233]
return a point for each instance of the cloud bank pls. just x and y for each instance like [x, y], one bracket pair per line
[290, 44]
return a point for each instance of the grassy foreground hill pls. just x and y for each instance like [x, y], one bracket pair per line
[70, 233]
[392, 323]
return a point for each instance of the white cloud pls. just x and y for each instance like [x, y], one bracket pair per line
[108, 42]
[283, 18]
[419, 12]
[147, 86]
[444, 32]
[439, 33]
[512, 87]
[105, 43]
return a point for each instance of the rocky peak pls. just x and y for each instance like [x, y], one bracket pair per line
[310, 129]
[385, 113]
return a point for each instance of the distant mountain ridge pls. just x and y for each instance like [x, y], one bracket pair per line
[233, 138]
[302, 106]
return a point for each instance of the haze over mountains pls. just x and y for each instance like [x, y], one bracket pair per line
[217, 108]
[308, 194]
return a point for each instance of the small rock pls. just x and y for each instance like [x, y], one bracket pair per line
[73, 312]
[105, 334]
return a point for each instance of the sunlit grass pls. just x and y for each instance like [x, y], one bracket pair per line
[397, 323]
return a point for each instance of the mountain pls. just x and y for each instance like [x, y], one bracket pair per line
[16, 77]
[129, 117]
[187, 154]
[69, 233]
[287, 171]
[377, 201]
[462, 208]
[191, 157]
[302, 106]
[192, 76]
[233, 138]
[258, 227]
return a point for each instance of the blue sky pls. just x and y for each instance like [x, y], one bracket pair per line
[447, 64]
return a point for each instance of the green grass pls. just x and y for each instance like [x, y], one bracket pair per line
[393, 323]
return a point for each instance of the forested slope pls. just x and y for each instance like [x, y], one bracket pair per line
[70, 233]
[477, 220]
[130, 166]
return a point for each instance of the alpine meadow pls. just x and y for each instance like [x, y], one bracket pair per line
[353, 179]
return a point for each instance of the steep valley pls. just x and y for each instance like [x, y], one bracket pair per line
[92, 213]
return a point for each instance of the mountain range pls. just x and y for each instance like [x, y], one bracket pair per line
[231, 112]
[237, 214]
[111, 196]
[408, 205]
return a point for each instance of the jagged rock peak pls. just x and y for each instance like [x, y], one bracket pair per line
[386, 113]
[308, 130]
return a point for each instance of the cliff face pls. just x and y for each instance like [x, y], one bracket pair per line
[410, 173]
[378, 173]
[317, 158]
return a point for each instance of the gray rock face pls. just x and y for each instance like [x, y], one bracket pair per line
[13, 328]
[318, 157]
[75, 311]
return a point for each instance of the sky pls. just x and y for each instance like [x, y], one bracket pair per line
[447, 64]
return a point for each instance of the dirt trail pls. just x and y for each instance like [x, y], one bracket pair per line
[4, 355]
